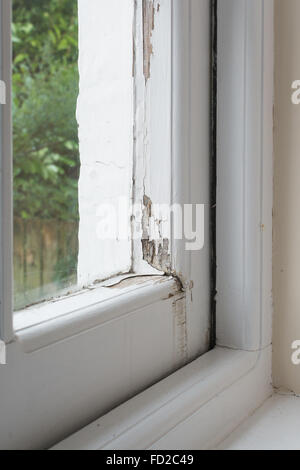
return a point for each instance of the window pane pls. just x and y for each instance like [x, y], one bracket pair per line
[46, 155]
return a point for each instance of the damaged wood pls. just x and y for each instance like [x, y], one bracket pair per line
[147, 214]
[148, 27]
[155, 252]
[180, 330]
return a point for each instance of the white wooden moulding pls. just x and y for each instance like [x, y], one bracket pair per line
[245, 173]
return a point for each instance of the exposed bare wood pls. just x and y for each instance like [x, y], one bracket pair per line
[148, 27]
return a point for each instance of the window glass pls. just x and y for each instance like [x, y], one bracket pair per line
[45, 142]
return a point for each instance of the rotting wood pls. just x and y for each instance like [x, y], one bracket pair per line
[156, 253]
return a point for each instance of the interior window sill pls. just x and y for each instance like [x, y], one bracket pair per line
[44, 324]
[174, 413]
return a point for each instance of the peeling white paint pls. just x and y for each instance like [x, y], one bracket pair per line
[125, 132]
[155, 245]
[148, 27]
[180, 331]
[162, 152]
[152, 132]
[105, 117]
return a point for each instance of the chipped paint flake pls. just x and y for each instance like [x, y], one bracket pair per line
[156, 253]
[148, 27]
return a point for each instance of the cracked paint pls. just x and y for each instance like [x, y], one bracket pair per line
[155, 252]
[133, 281]
[180, 330]
[148, 27]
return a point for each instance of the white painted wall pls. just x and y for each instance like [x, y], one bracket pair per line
[286, 271]
[105, 117]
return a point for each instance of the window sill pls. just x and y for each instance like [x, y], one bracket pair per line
[48, 323]
[195, 408]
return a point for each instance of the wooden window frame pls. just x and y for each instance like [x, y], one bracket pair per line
[236, 375]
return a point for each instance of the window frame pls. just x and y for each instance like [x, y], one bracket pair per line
[199, 406]
[186, 273]
[53, 353]
[239, 367]
[198, 338]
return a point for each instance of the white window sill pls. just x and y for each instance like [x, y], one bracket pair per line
[195, 408]
[50, 322]
[274, 426]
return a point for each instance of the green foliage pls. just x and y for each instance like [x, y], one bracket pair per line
[45, 89]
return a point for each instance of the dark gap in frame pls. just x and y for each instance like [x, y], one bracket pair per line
[213, 165]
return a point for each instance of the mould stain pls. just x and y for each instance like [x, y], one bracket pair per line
[148, 27]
